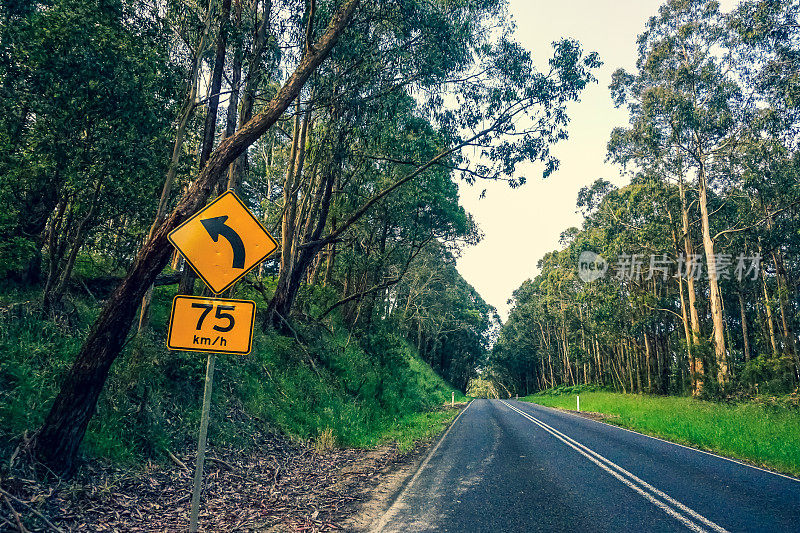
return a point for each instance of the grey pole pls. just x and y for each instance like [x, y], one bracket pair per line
[201, 445]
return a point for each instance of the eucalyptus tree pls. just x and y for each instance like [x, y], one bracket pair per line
[57, 441]
[504, 109]
[685, 97]
[87, 89]
[768, 44]
[440, 313]
[381, 247]
[767, 36]
[712, 154]
[521, 353]
[614, 330]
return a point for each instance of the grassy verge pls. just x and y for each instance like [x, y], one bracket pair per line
[762, 435]
[418, 427]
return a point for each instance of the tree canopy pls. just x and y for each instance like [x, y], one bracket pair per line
[712, 156]
[345, 126]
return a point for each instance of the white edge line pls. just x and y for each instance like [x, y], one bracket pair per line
[568, 412]
[393, 509]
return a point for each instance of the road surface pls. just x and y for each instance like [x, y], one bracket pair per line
[506, 465]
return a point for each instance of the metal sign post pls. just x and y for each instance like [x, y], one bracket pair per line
[201, 444]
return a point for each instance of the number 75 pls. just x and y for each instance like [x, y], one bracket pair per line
[219, 314]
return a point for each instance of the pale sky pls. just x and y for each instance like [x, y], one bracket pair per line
[521, 225]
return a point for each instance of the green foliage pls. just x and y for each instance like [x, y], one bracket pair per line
[714, 173]
[760, 434]
[84, 122]
[773, 373]
[443, 316]
[330, 387]
[566, 390]
[15, 255]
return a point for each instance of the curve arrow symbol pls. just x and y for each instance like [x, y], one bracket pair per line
[215, 227]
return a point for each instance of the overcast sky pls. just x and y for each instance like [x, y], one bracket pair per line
[521, 225]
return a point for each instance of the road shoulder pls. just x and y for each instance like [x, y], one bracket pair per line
[381, 498]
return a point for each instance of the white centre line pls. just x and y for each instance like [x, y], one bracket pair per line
[629, 479]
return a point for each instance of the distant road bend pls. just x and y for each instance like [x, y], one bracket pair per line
[506, 465]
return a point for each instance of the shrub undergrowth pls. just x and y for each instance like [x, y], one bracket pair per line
[329, 386]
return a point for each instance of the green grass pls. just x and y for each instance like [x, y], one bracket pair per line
[333, 388]
[416, 427]
[762, 435]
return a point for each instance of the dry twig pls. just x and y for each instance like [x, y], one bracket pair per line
[31, 509]
[177, 461]
[16, 516]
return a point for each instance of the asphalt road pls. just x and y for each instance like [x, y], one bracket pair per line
[506, 465]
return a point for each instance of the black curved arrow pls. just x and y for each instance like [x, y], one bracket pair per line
[215, 227]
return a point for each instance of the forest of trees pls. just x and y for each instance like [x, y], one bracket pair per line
[346, 125]
[700, 292]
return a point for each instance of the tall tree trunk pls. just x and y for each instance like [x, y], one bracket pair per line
[210, 125]
[329, 262]
[301, 226]
[254, 76]
[626, 350]
[684, 312]
[290, 191]
[56, 443]
[728, 341]
[617, 366]
[600, 370]
[696, 370]
[768, 308]
[783, 293]
[786, 320]
[301, 256]
[636, 357]
[745, 340]
[650, 365]
[77, 239]
[717, 319]
[663, 364]
[54, 247]
[236, 169]
[255, 70]
[290, 198]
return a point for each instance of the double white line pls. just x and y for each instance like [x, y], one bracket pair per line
[688, 517]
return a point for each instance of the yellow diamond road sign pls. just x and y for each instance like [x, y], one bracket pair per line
[223, 242]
